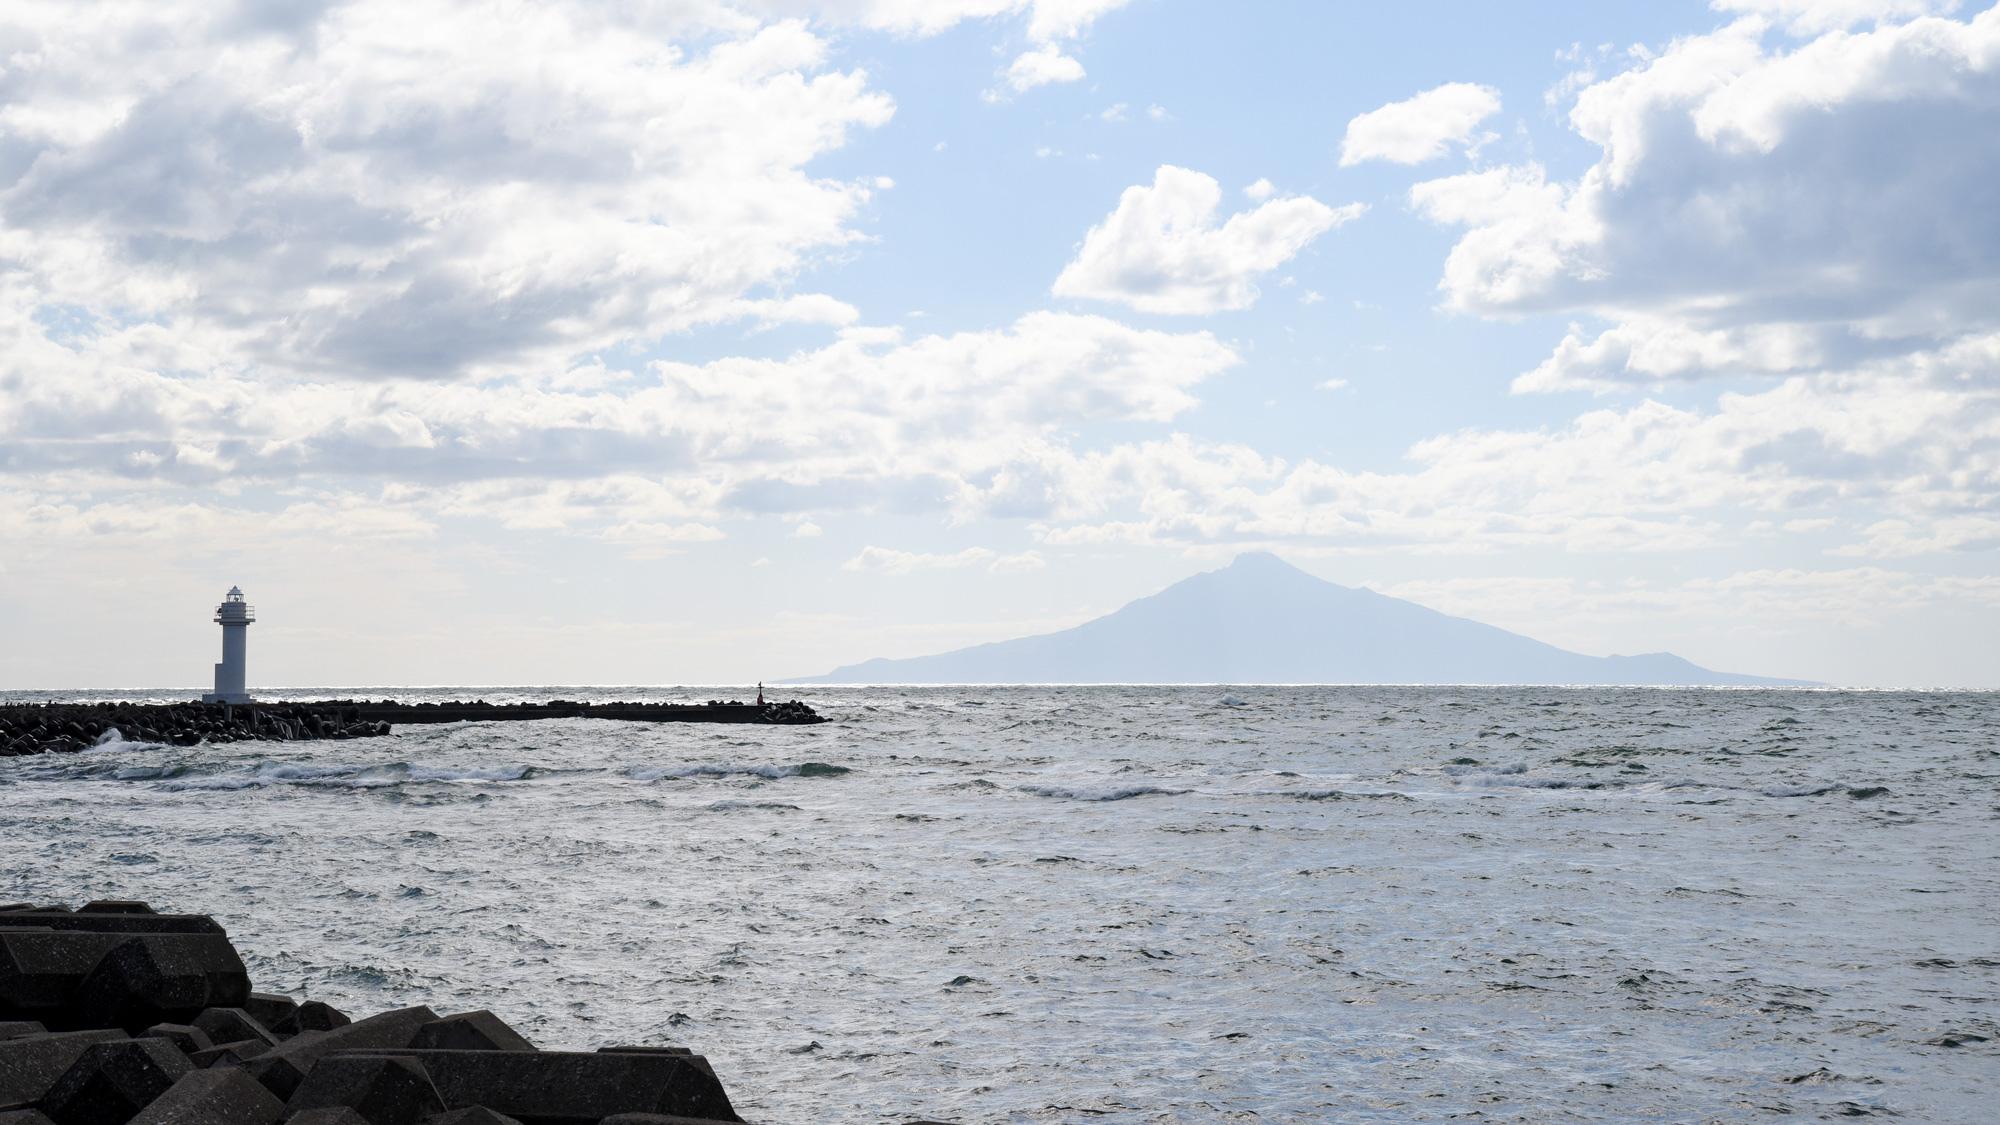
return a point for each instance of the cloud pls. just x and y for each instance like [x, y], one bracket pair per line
[1023, 563]
[1161, 252]
[1049, 22]
[1047, 19]
[871, 422]
[1812, 17]
[903, 562]
[1915, 443]
[453, 190]
[1042, 66]
[1755, 210]
[806, 530]
[1422, 128]
[643, 539]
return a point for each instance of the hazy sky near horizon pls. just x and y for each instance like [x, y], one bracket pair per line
[711, 340]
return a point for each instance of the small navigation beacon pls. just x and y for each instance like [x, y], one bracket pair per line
[235, 616]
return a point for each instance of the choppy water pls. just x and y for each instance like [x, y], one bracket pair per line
[1131, 904]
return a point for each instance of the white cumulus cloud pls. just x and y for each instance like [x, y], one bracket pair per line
[452, 188]
[1041, 66]
[1047, 19]
[1161, 251]
[1811, 17]
[968, 422]
[1755, 209]
[1421, 128]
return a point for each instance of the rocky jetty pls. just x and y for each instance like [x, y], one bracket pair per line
[791, 713]
[68, 727]
[65, 727]
[112, 1014]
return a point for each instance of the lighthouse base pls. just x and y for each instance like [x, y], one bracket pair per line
[215, 697]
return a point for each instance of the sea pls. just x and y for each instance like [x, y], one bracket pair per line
[1121, 905]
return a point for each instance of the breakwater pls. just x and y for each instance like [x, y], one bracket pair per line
[69, 727]
[113, 1014]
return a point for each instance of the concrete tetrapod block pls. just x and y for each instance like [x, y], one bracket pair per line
[111, 1082]
[283, 1067]
[331, 1115]
[309, 1016]
[233, 1025]
[24, 1117]
[683, 1052]
[160, 978]
[269, 1009]
[230, 1054]
[383, 1089]
[470, 1031]
[14, 1029]
[29, 1066]
[653, 1119]
[188, 1038]
[115, 906]
[474, 1115]
[575, 1087]
[41, 969]
[54, 919]
[213, 1097]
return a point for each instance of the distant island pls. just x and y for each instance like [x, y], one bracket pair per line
[1261, 620]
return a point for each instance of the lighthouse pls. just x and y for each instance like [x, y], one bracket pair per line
[235, 616]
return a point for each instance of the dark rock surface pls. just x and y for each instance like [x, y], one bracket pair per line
[225, 1096]
[31, 1064]
[232, 1025]
[159, 978]
[790, 713]
[472, 1031]
[233, 1054]
[69, 727]
[656, 1119]
[575, 1087]
[270, 1010]
[331, 1115]
[111, 1082]
[476, 1115]
[383, 1089]
[285, 1066]
[187, 1038]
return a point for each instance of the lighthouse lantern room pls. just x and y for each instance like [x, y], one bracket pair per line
[235, 616]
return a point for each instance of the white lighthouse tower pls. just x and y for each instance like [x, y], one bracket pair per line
[235, 616]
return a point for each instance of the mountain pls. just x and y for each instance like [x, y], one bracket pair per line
[1261, 620]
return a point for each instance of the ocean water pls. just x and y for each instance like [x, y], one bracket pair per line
[1129, 904]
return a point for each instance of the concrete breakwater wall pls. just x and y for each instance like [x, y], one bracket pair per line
[113, 1014]
[68, 727]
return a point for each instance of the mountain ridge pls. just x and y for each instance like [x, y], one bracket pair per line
[1262, 620]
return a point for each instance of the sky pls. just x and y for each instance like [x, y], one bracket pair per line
[700, 341]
